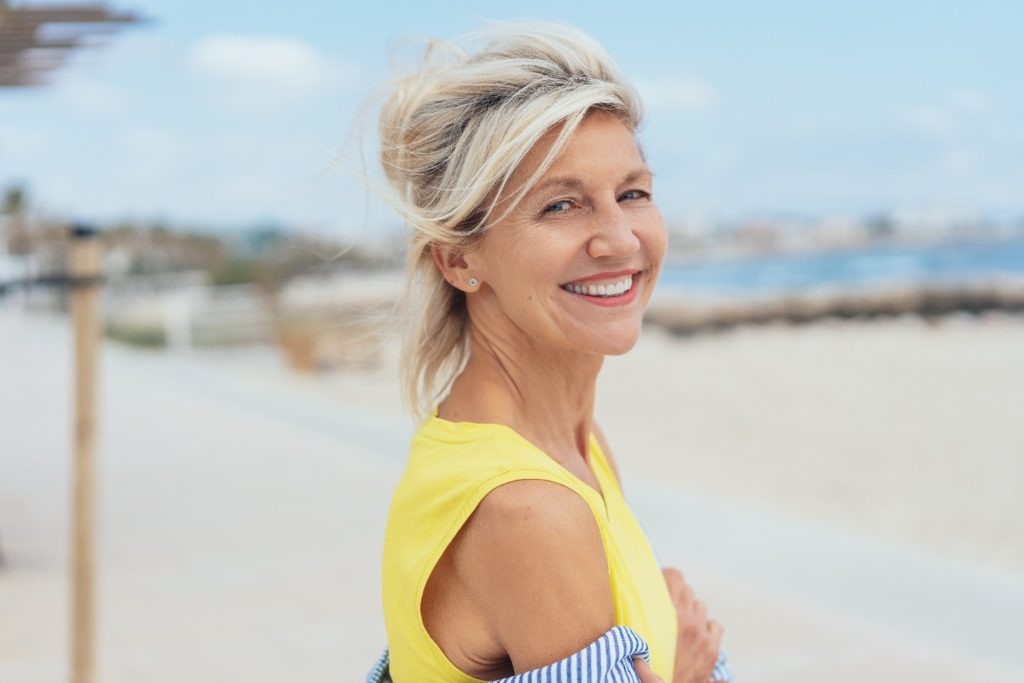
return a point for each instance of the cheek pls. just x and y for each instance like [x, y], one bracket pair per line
[656, 239]
[503, 251]
[513, 274]
[536, 259]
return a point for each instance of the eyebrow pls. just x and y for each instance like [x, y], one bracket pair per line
[575, 183]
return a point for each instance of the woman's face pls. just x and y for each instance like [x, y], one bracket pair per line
[573, 266]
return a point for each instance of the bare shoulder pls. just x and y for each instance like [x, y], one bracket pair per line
[532, 559]
[603, 443]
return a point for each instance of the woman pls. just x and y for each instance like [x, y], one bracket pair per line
[536, 246]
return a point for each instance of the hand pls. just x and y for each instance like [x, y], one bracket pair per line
[698, 639]
[644, 673]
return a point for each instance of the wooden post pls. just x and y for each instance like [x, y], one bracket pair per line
[85, 266]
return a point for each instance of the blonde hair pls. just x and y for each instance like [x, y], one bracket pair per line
[452, 133]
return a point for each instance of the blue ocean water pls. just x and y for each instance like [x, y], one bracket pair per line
[878, 264]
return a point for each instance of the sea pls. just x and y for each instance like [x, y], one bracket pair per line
[950, 262]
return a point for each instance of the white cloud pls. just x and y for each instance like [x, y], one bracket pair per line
[266, 70]
[970, 100]
[683, 94]
[959, 112]
[931, 121]
[960, 160]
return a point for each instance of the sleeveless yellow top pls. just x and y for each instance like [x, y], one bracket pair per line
[452, 467]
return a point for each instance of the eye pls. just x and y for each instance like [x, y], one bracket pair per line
[632, 195]
[561, 206]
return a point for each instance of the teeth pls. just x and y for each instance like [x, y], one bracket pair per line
[613, 289]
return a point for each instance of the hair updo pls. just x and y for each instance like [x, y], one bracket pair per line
[452, 133]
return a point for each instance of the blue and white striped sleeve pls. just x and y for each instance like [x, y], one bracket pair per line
[721, 671]
[609, 659]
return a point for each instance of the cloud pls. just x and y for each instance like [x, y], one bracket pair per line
[266, 70]
[969, 100]
[935, 122]
[958, 111]
[682, 94]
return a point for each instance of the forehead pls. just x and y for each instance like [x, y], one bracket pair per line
[601, 146]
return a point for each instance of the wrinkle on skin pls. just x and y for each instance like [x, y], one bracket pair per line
[519, 369]
[536, 350]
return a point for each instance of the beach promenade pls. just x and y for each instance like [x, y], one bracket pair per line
[242, 507]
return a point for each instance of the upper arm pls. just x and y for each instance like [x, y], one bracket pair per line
[532, 560]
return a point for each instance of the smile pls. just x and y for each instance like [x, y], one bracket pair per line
[617, 288]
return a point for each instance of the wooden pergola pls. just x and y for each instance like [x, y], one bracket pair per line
[35, 40]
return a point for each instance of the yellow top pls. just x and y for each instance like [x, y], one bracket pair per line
[452, 467]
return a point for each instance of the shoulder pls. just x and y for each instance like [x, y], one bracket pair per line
[527, 515]
[531, 558]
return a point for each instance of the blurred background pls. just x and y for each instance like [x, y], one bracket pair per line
[823, 424]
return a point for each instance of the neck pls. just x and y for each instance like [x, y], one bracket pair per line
[546, 395]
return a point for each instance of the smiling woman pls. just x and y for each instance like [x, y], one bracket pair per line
[570, 268]
[536, 245]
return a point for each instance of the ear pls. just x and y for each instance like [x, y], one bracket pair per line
[453, 266]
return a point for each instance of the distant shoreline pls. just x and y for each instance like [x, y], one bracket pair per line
[683, 315]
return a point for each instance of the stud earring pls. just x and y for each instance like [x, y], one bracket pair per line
[473, 282]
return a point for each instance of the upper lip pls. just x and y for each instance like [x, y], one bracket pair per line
[612, 275]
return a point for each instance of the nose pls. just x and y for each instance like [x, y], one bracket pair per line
[612, 235]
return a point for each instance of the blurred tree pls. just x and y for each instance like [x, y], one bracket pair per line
[19, 241]
[235, 271]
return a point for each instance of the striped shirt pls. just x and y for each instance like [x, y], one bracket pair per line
[609, 659]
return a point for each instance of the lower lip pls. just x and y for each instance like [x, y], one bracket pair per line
[610, 301]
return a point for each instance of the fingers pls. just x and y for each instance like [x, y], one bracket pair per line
[674, 581]
[644, 673]
[715, 633]
[699, 638]
[672, 575]
[680, 593]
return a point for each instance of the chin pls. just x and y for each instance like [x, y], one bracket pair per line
[617, 344]
[620, 350]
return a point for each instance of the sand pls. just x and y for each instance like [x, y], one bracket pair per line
[907, 431]
[845, 497]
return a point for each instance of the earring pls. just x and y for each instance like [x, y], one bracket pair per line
[473, 282]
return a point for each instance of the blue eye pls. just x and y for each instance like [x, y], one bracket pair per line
[558, 207]
[635, 194]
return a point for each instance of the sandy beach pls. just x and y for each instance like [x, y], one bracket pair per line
[904, 430]
[846, 497]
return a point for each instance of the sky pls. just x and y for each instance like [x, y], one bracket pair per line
[238, 113]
